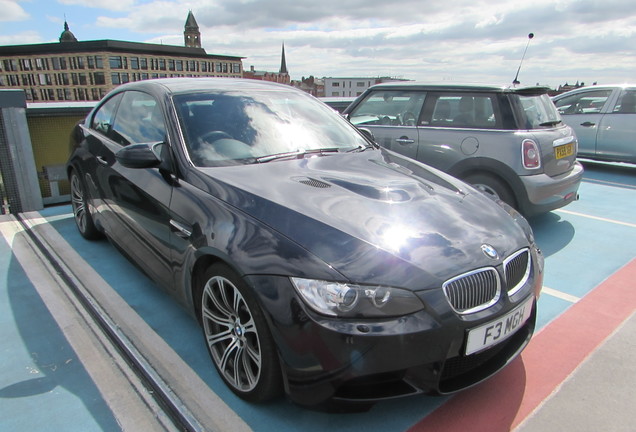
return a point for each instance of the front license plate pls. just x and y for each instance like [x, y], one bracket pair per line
[564, 150]
[498, 330]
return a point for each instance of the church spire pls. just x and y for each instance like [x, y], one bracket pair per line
[283, 63]
[191, 33]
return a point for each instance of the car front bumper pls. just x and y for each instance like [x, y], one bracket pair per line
[356, 361]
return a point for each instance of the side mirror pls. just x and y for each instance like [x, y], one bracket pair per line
[367, 134]
[139, 155]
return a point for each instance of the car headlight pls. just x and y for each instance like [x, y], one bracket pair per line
[350, 300]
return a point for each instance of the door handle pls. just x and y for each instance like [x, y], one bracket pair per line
[101, 160]
[404, 141]
[180, 229]
[588, 124]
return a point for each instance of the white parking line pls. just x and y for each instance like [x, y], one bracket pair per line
[560, 294]
[631, 225]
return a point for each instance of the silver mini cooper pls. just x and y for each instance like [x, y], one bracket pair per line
[509, 142]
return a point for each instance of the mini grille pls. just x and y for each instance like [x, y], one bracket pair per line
[473, 291]
[517, 270]
[314, 183]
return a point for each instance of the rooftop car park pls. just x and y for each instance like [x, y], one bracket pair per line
[64, 301]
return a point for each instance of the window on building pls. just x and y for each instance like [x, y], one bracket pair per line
[143, 63]
[45, 79]
[79, 62]
[99, 62]
[171, 65]
[218, 67]
[90, 62]
[124, 78]
[26, 64]
[114, 78]
[360, 84]
[42, 64]
[179, 65]
[224, 67]
[162, 64]
[62, 79]
[236, 68]
[134, 63]
[98, 78]
[336, 84]
[59, 63]
[10, 65]
[116, 62]
[82, 79]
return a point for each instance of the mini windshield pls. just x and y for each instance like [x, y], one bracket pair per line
[233, 127]
[539, 111]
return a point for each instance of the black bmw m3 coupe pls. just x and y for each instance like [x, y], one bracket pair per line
[319, 265]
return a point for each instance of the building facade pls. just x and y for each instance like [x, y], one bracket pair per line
[350, 87]
[87, 70]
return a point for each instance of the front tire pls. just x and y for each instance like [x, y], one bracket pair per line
[81, 214]
[237, 336]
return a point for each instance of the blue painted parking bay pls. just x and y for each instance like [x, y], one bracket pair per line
[49, 382]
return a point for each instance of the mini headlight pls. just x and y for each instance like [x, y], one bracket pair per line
[350, 300]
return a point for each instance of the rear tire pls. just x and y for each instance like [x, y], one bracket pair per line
[237, 335]
[493, 186]
[81, 213]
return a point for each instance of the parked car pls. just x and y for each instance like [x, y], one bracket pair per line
[508, 142]
[604, 119]
[315, 262]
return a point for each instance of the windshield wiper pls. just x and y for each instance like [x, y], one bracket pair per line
[298, 154]
[550, 123]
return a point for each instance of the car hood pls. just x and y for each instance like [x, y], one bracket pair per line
[373, 216]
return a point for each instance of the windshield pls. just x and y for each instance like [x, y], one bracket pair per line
[234, 127]
[539, 111]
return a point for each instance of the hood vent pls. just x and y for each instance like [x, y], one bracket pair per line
[312, 182]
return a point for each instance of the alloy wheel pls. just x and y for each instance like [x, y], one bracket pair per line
[231, 334]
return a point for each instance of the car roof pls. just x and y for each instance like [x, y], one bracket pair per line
[458, 87]
[195, 85]
[596, 87]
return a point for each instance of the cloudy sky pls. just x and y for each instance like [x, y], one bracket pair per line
[452, 40]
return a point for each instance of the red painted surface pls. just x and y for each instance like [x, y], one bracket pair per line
[504, 401]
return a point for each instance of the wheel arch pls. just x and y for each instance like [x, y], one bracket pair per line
[499, 170]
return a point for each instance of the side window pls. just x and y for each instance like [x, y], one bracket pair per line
[587, 102]
[464, 111]
[103, 118]
[389, 108]
[139, 120]
[626, 103]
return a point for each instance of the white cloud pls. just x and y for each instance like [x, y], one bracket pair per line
[12, 11]
[111, 5]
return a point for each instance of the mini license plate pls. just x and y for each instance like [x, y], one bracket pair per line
[564, 150]
[492, 333]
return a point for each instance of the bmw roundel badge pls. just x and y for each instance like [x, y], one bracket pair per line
[489, 251]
